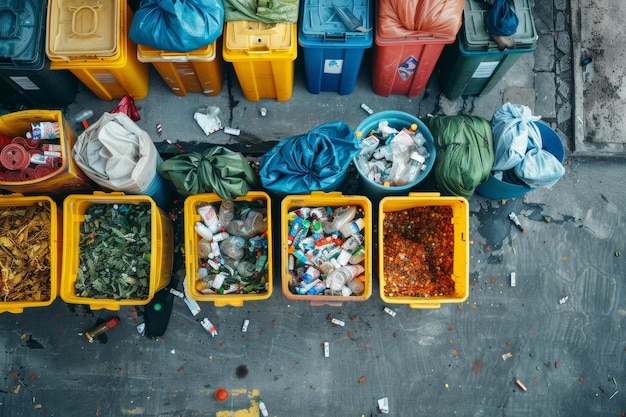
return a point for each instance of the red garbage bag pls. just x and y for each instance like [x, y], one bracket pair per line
[419, 18]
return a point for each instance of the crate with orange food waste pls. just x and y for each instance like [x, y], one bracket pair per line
[228, 248]
[118, 250]
[36, 154]
[326, 248]
[29, 252]
[423, 245]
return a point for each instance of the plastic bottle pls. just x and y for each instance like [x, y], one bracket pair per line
[232, 247]
[209, 217]
[338, 278]
[411, 171]
[311, 274]
[255, 224]
[351, 228]
[260, 263]
[204, 248]
[245, 269]
[294, 228]
[341, 216]
[356, 286]
[357, 256]
[226, 212]
[203, 231]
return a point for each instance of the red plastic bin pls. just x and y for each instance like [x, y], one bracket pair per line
[404, 66]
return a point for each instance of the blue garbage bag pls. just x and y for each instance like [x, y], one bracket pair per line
[315, 161]
[501, 20]
[177, 25]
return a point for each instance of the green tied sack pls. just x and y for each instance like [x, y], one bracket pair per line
[465, 152]
[217, 169]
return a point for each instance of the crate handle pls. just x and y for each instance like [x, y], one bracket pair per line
[426, 195]
[84, 10]
[328, 194]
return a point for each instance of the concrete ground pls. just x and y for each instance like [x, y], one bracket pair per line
[562, 323]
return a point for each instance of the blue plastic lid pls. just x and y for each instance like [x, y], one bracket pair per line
[22, 33]
[321, 22]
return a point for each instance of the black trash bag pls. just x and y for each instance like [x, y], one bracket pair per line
[177, 25]
[315, 161]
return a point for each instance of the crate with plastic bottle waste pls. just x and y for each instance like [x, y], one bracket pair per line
[118, 250]
[35, 154]
[423, 245]
[326, 248]
[228, 248]
[29, 239]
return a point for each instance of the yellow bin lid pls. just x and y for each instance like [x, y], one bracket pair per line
[79, 28]
[254, 36]
[148, 54]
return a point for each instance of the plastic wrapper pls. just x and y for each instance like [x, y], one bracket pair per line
[267, 11]
[399, 19]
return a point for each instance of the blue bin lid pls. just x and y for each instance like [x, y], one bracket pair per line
[475, 35]
[22, 33]
[321, 23]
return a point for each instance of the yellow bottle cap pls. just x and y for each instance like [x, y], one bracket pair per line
[414, 127]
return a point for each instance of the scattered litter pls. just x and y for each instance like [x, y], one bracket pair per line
[169, 142]
[389, 311]
[617, 253]
[337, 322]
[209, 327]
[613, 395]
[563, 300]
[141, 329]
[177, 293]
[516, 222]
[383, 405]
[263, 112]
[263, 409]
[159, 129]
[362, 379]
[244, 328]
[520, 384]
[326, 349]
[221, 394]
[173, 351]
[208, 120]
[101, 328]
[367, 108]
[547, 219]
[513, 279]
[507, 356]
[232, 131]
[616, 391]
[193, 305]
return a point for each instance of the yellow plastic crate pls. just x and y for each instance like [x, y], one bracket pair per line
[460, 222]
[263, 57]
[110, 70]
[191, 249]
[161, 241]
[68, 178]
[335, 200]
[197, 71]
[54, 242]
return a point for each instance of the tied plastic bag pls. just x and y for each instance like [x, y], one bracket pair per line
[513, 134]
[465, 152]
[177, 25]
[315, 161]
[117, 154]
[501, 20]
[267, 11]
[399, 19]
[539, 169]
[217, 169]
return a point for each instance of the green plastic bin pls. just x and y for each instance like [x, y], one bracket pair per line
[473, 64]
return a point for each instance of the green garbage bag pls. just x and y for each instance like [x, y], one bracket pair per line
[267, 11]
[217, 169]
[465, 152]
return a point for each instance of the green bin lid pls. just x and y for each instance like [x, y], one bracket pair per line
[476, 37]
[22, 32]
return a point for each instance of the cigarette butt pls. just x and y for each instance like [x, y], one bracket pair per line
[513, 279]
[520, 384]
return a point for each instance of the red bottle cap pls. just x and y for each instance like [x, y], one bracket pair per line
[43, 170]
[14, 157]
[221, 394]
[19, 140]
[35, 151]
[12, 176]
[27, 174]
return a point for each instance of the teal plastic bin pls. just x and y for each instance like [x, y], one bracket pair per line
[332, 54]
[397, 120]
[24, 65]
[473, 64]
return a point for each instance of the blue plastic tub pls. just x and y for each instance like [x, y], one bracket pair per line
[397, 120]
[496, 189]
[332, 55]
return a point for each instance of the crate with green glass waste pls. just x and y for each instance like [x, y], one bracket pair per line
[326, 245]
[228, 248]
[117, 250]
[423, 245]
